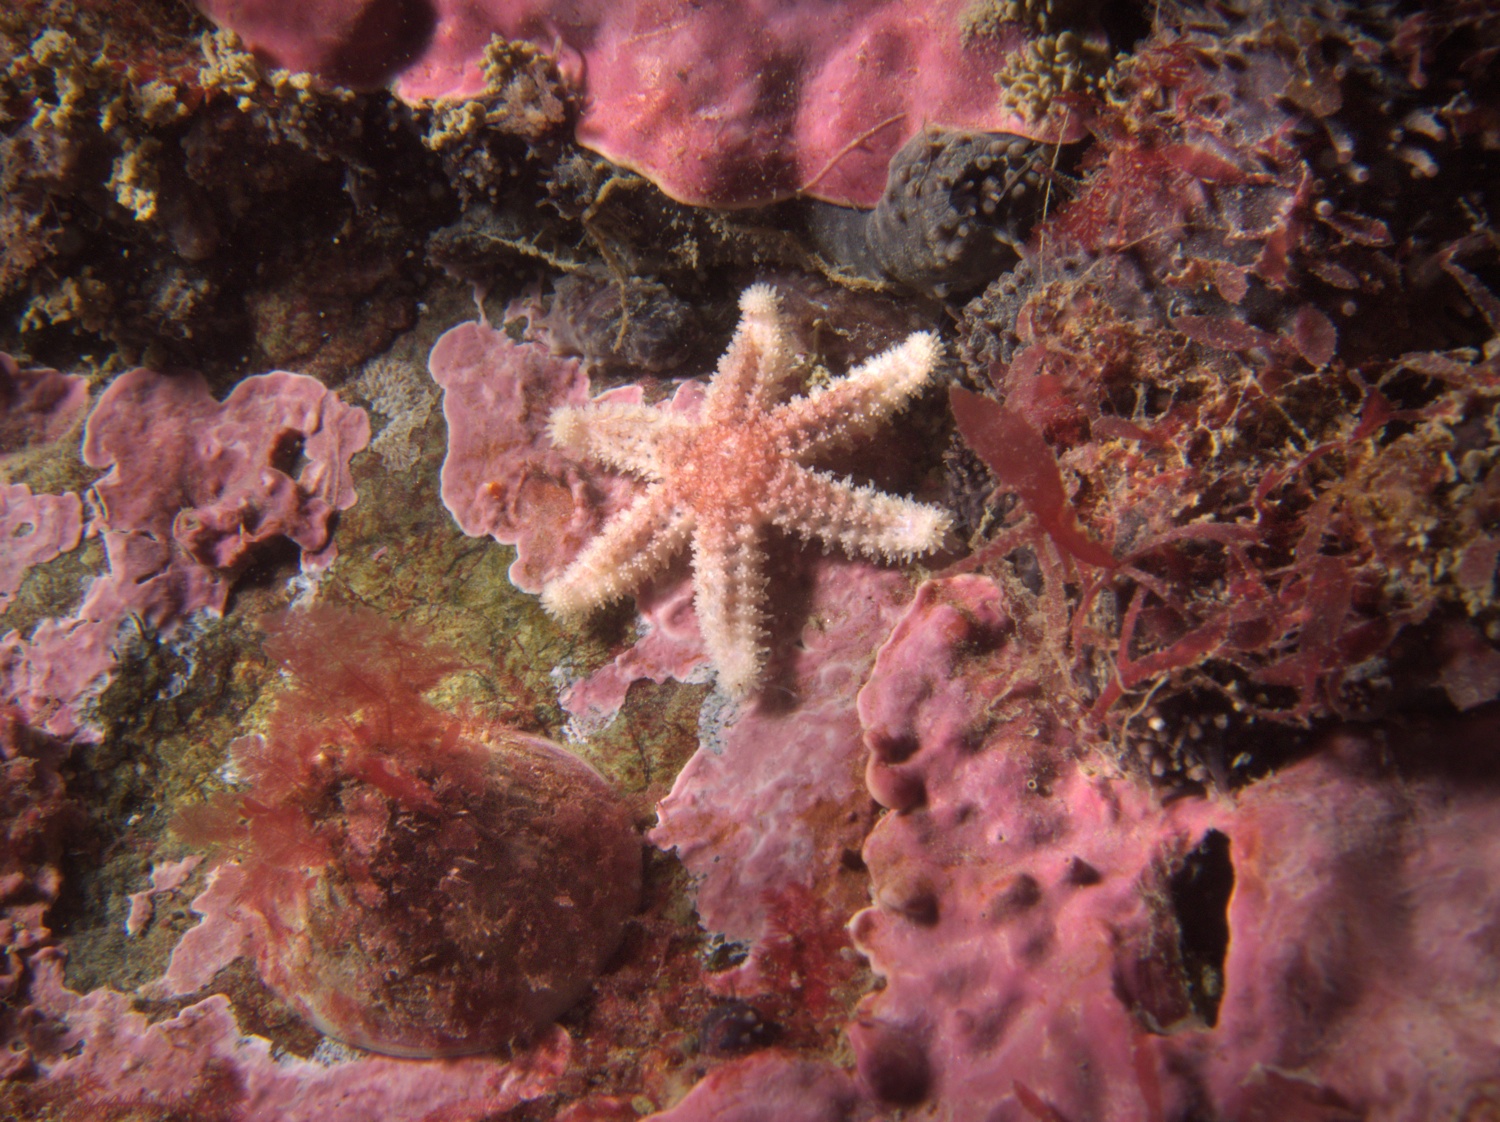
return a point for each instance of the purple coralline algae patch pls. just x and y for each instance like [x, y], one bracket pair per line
[669, 647]
[772, 799]
[95, 1057]
[166, 876]
[1298, 948]
[502, 476]
[772, 1085]
[801, 98]
[194, 487]
[195, 484]
[34, 529]
[37, 405]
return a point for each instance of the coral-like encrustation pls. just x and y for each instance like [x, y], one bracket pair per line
[195, 487]
[668, 646]
[409, 884]
[772, 800]
[166, 876]
[502, 476]
[769, 812]
[1036, 915]
[37, 405]
[804, 99]
[92, 1056]
[35, 529]
[771, 1085]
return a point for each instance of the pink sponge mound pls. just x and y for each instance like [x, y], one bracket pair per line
[717, 102]
[409, 884]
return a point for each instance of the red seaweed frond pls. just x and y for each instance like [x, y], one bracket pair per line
[353, 719]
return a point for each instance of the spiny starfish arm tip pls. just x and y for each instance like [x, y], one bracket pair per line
[760, 301]
[632, 547]
[619, 434]
[898, 373]
[729, 590]
[856, 406]
[862, 521]
[755, 362]
[567, 427]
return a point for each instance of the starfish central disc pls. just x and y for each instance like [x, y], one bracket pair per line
[732, 466]
[717, 481]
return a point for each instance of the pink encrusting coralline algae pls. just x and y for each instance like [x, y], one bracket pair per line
[35, 529]
[37, 405]
[1308, 948]
[719, 103]
[94, 1055]
[1115, 743]
[502, 475]
[194, 487]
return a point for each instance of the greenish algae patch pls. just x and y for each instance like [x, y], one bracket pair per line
[168, 713]
[53, 588]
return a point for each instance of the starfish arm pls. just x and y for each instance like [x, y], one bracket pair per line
[632, 547]
[623, 436]
[861, 521]
[729, 594]
[756, 362]
[854, 408]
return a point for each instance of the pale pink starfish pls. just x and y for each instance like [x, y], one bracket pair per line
[719, 479]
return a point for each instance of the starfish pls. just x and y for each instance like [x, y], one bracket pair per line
[717, 481]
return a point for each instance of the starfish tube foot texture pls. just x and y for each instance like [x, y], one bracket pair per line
[716, 481]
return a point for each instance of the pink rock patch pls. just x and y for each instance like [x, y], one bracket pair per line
[671, 647]
[96, 1055]
[195, 484]
[1292, 951]
[771, 1085]
[194, 487]
[773, 801]
[502, 476]
[718, 103]
[33, 530]
[166, 876]
[37, 405]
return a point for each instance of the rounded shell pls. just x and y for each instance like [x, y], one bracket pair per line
[467, 924]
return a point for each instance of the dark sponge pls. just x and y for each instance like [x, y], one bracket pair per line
[957, 207]
[956, 210]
